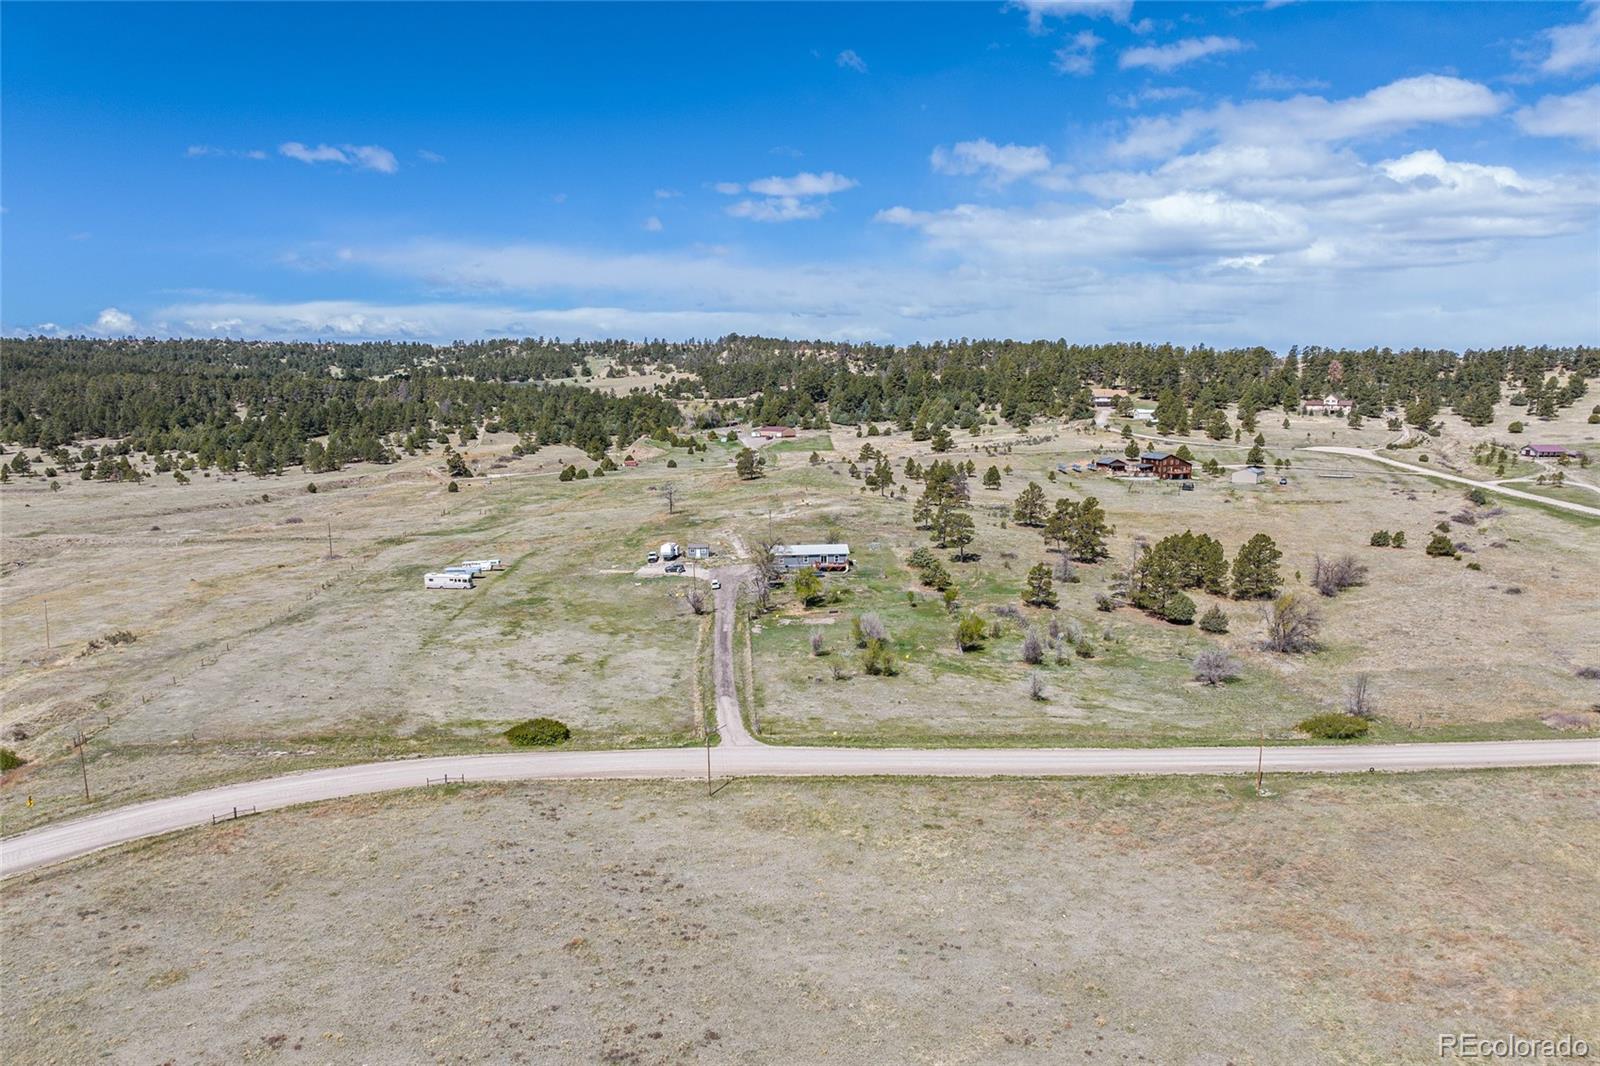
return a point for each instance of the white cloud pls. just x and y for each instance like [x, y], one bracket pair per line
[1574, 48]
[851, 61]
[363, 156]
[1576, 117]
[778, 209]
[1165, 57]
[652, 225]
[1269, 81]
[113, 322]
[667, 194]
[429, 157]
[803, 184]
[1077, 55]
[790, 199]
[197, 151]
[1001, 164]
[1039, 10]
[1154, 94]
[1399, 105]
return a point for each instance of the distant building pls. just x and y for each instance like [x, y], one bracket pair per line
[1250, 475]
[813, 556]
[773, 432]
[1328, 405]
[1107, 397]
[1112, 466]
[1166, 466]
[699, 551]
[1545, 451]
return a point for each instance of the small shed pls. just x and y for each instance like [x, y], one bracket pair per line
[699, 551]
[1250, 475]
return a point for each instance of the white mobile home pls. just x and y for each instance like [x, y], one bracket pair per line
[447, 581]
[814, 556]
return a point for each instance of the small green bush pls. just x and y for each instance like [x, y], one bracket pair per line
[1179, 610]
[1335, 726]
[1214, 620]
[1380, 539]
[538, 733]
[10, 760]
[1478, 496]
[1441, 547]
[452, 487]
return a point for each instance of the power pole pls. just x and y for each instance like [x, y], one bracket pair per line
[46, 625]
[330, 538]
[83, 766]
[709, 734]
[1261, 757]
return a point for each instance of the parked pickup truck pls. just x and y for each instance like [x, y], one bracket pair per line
[652, 558]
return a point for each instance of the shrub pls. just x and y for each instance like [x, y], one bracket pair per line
[878, 660]
[10, 760]
[869, 627]
[538, 733]
[1358, 701]
[969, 632]
[1214, 620]
[1334, 726]
[1215, 666]
[311, 486]
[1179, 610]
[1398, 540]
[1478, 496]
[1515, 427]
[1440, 546]
[1033, 648]
[1103, 602]
[1381, 539]
[1292, 624]
[452, 487]
[672, 464]
[1589, 673]
[816, 640]
[1332, 576]
[1036, 686]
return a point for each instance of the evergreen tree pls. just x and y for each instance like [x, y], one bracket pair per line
[1255, 569]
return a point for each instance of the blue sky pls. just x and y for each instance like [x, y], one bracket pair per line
[1225, 173]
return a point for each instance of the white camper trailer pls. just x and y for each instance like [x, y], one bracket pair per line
[462, 568]
[447, 581]
[482, 564]
[670, 550]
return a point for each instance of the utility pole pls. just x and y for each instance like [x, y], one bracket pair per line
[330, 538]
[79, 741]
[46, 625]
[713, 732]
[1261, 758]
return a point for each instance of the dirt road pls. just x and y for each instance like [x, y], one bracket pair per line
[1487, 486]
[730, 722]
[55, 843]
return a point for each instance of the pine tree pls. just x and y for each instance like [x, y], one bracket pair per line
[1030, 506]
[1255, 569]
[1040, 591]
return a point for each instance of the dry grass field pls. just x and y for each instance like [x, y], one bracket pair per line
[254, 653]
[1340, 920]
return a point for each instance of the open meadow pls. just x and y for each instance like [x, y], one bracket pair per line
[1339, 920]
[201, 632]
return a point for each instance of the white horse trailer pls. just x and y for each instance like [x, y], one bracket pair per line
[482, 564]
[447, 581]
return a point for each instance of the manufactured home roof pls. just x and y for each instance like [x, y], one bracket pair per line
[812, 549]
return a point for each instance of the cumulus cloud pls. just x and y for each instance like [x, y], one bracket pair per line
[652, 225]
[1000, 164]
[1166, 57]
[1039, 10]
[786, 199]
[1574, 48]
[778, 209]
[1576, 117]
[1399, 105]
[113, 322]
[1077, 55]
[851, 61]
[361, 156]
